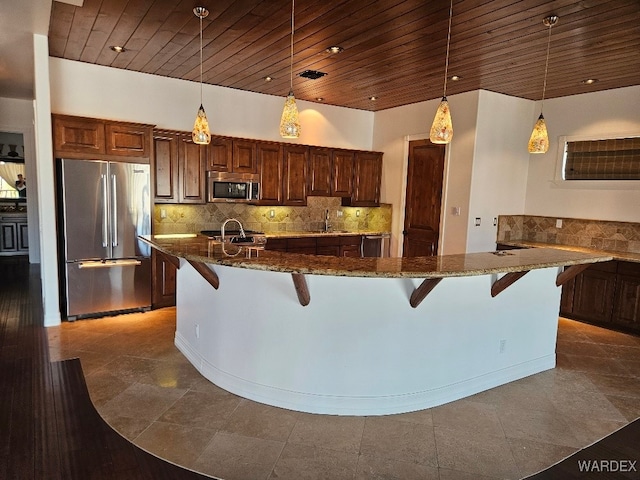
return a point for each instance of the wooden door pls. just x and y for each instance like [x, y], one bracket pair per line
[594, 291]
[270, 167]
[191, 158]
[165, 167]
[296, 159]
[366, 179]
[319, 172]
[423, 200]
[244, 156]
[342, 174]
[220, 154]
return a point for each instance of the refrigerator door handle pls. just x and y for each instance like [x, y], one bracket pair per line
[109, 263]
[114, 211]
[105, 212]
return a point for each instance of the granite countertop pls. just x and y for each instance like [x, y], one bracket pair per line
[330, 233]
[617, 255]
[197, 248]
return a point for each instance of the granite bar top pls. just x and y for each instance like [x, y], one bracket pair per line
[617, 255]
[199, 249]
[330, 233]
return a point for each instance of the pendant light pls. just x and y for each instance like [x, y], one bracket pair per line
[539, 141]
[290, 123]
[201, 134]
[442, 128]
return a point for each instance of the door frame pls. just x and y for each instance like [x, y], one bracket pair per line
[403, 199]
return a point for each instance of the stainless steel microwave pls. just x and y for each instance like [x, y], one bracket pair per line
[233, 187]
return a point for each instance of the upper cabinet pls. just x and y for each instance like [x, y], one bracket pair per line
[296, 160]
[330, 172]
[80, 137]
[270, 164]
[179, 168]
[367, 177]
[232, 155]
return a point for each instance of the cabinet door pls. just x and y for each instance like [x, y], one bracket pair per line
[22, 237]
[220, 154]
[164, 281]
[342, 174]
[244, 156]
[301, 245]
[296, 160]
[319, 172]
[270, 168]
[328, 245]
[8, 237]
[566, 298]
[594, 290]
[165, 167]
[78, 135]
[276, 244]
[128, 140]
[351, 246]
[191, 182]
[627, 300]
[367, 178]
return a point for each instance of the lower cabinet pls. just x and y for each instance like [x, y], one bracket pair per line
[606, 294]
[14, 239]
[330, 245]
[164, 281]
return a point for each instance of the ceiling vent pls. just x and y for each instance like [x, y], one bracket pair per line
[312, 74]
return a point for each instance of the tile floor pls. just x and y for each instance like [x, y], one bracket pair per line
[143, 386]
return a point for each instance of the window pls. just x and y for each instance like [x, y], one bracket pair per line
[611, 159]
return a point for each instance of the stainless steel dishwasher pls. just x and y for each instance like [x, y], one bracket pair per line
[377, 245]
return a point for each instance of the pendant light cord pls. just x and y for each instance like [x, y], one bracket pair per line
[446, 63]
[546, 67]
[292, 29]
[200, 59]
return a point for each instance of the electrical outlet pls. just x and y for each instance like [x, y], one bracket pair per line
[163, 213]
[197, 330]
[477, 221]
[357, 213]
[339, 213]
[272, 213]
[559, 223]
[503, 345]
[495, 221]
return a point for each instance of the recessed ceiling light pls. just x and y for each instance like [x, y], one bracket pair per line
[117, 48]
[320, 99]
[589, 81]
[268, 78]
[373, 98]
[334, 49]
[455, 78]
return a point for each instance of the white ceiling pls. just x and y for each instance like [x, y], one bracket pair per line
[19, 20]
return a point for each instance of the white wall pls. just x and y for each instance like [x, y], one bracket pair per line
[592, 115]
[102, 92]
[500, 165]
[17, 116]
[393, 128]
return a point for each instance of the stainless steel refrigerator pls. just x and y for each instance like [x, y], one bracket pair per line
[103, 207]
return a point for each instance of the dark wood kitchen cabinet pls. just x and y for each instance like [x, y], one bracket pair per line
[606, 294]
[329, 245]
[164, 281]
[296, 160]
[367, 177]
[83, 137]
[179, 168]
[330, 172]
[220, 154]
[270, 164]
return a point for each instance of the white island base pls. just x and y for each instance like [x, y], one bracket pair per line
[359, 348]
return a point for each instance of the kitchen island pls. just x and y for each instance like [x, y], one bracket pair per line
[365, 336]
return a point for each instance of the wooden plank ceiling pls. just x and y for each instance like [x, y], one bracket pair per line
[394, 50]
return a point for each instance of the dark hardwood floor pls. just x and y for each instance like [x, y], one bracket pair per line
[49, 429]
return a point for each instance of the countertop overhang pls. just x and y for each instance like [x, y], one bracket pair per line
[198, 248]
[615, 255]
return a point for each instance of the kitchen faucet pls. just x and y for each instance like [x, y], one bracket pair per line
[224, 224]
[327, 225]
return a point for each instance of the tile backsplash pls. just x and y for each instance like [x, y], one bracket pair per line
[599, 234]
[194, 218]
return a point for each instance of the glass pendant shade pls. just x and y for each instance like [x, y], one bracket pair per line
[442, 128]
[290, 123]
[201, 134]
[539, 141]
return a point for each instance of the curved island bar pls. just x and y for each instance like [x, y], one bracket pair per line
[365, 336]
